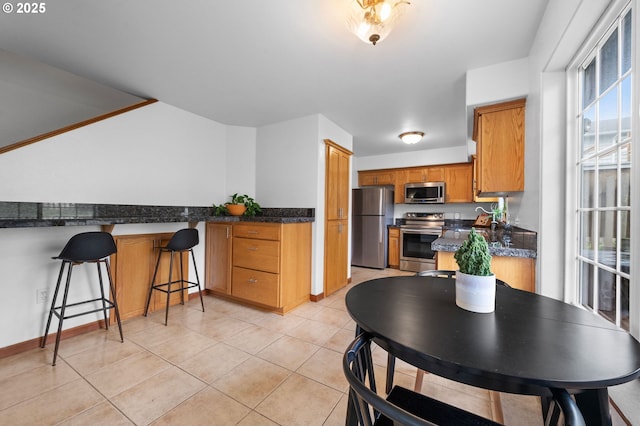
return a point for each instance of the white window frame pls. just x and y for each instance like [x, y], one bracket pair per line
[601, 30]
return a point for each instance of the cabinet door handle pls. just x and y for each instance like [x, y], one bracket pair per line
[252, 248]
[227, 229]
[339, 228]
[252, 232]
[252, 280]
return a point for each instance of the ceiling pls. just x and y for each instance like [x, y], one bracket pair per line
[252, 63]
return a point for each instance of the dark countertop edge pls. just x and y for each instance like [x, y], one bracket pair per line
[39, 223]
[451, 245]
[33, 215]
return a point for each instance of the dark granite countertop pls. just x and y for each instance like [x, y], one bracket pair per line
[516, 242]
[31, 215]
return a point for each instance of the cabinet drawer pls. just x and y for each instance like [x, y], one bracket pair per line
[262, 255]
[256, 286]
[257, 230]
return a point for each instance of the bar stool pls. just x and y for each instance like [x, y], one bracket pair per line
[89, 247]
[183, 240]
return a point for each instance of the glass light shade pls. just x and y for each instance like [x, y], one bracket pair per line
[411, 138]
[372, 20]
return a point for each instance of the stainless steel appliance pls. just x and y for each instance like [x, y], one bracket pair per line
[416, 235]
[424, 193]
[372, 212]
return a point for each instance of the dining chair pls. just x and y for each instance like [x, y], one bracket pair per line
[403, 406]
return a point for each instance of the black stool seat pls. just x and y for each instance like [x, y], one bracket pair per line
[87, 247]
[182, 241]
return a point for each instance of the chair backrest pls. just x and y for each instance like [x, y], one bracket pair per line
[88, 246]
[357, 365]
[183, 239]
[442, 273]
[368, 406]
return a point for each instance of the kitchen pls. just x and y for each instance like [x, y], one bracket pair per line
[29, 174]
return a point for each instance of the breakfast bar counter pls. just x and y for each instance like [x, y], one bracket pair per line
[32, 215]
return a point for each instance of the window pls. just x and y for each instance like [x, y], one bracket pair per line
[603, 167]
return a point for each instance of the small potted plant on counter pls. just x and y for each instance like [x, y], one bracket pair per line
[238, 206]
[475, 283]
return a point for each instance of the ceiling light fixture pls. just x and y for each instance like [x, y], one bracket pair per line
[411, 137]
[372, 20]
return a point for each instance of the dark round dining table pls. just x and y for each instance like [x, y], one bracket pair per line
[529, 344]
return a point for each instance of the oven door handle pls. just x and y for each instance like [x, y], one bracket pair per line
[421, 231]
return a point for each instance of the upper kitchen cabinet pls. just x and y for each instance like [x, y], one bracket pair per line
[393, 177]
[458, 180]
[424, 174]
[499, 132]
[377, 177]
[337, 182]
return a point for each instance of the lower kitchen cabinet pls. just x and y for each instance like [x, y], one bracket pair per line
[335, 255]
[518, 272]
[263, 264]
[132, 269]
[394, 248]
[218, 257]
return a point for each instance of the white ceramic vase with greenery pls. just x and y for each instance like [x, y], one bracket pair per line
[475, 284]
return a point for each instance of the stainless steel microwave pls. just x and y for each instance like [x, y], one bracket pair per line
[424, 193]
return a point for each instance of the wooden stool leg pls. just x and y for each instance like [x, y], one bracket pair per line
[418, 385]
[496, 407]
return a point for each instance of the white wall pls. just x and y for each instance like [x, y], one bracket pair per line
[290, 164]
[157, 155]
[240, 163]
[563, 29]
[425, 157]
[498, 82]
[132, 158]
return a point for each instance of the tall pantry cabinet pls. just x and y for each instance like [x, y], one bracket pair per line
[336, 226]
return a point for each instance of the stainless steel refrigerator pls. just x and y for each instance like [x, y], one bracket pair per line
[372, 213]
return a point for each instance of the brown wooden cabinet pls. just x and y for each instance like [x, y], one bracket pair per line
[132, 270]
[394, 177]
[377, 177]
[518, 272]
[499, 132]
[458, 180]
[394, 248]
[336, 236]
[477, 198]
[424, 174]
[337, 183]
[263, 264]
[218, 257]
[336, 256]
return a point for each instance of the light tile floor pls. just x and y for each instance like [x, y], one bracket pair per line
[231, 365]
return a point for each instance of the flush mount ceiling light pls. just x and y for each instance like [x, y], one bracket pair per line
[372, 20]
[411, 137]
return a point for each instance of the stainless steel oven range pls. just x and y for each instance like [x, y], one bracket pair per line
[416, 235]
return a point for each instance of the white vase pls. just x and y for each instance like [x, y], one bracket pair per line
[476, 293]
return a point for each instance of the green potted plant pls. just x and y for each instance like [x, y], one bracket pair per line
[238, 206]
[475, 283]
